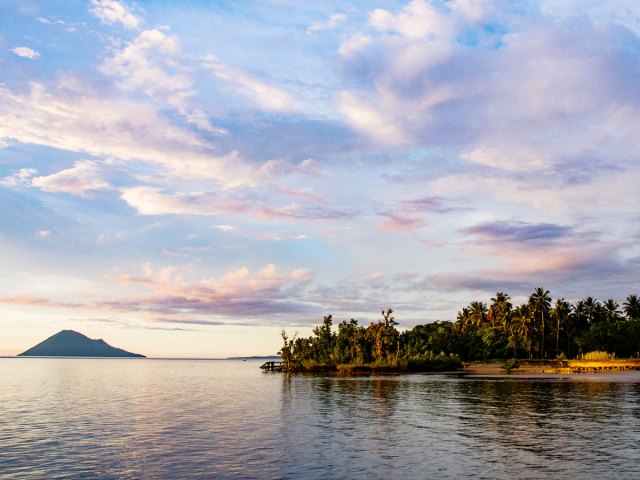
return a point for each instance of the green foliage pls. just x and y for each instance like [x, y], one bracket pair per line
[597, 356]
[429, 362]
[534, 329]
[510, 364]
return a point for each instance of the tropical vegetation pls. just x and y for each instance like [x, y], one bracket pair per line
[537, 329]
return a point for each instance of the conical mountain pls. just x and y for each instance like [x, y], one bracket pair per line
[68, 343]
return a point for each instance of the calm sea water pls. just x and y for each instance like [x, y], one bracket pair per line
[117, 418]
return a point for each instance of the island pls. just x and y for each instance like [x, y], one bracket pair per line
[538, 336]
[69, 343]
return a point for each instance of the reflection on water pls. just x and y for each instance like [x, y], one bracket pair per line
[89, 418]
[449, 427]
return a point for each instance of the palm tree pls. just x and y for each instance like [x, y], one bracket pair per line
[541, 302]
[631, 307]
[612, 309]
[463, 320]
[561, 312]
[500, 310]
[478, 313]
[592, 307]
[521, 328]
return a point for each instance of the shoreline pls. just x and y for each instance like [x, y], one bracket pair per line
[552, 367]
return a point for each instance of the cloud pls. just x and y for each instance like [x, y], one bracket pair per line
[353, 44]
[166, 294]
[418, 19]
[20, 178]
[25, 52]
[269, 97]
[152, 63]
[408, 215]
[115, 128]
[333, 22]
[568, 272]
[401, 222]
[518, 249]
[367, 119]
[519, 232]
[299, 212]
[238, 293]
[201, 120]
[513, 159]
[111, 12]
[154, 201]
[84, 177]
[144, 63]
[491, 85]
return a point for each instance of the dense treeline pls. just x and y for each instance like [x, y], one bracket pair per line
[545, 329]
[539, 328]
[379, 346]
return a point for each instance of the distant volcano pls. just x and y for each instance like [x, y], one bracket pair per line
[68, 343]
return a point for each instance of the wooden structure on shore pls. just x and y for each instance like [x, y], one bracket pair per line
[586, 366]
[272, 366]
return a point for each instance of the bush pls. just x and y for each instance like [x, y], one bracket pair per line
[597, 356]
[429, 362]
[314, 366]
[511, 364]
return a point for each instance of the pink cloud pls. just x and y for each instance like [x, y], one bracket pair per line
[402, 223]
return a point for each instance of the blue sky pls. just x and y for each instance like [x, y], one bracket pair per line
[188, 178]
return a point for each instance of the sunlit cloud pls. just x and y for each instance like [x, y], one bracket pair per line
[154, 201]
[84, 177]
[113, 128]
[111, 12]
[143, 64]
[238, 293]
[335, 19]
[300, 212]
[267, 96]
[25, 52]
[368, 120]
[400, 221]
[21, 177]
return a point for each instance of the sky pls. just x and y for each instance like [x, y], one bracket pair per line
[186, 179]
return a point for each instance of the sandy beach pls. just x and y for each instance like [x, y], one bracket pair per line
[533, 367]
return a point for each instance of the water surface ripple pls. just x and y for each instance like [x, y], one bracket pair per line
[129, 419]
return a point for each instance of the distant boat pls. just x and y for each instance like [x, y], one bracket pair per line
[68, 343]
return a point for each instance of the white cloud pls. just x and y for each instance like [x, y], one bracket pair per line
[200, 119]
[268, 97]
[154, 201]
[115, 128]
[83, 177]
[514, 159]
[151, 63]
[25, 52]
[144, 63]
[354, 43]
[111, 12]
[333, 22]
[418, 19]
[365, 118]
[22, 177]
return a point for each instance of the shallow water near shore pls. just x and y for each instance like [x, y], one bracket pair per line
[130, 418]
